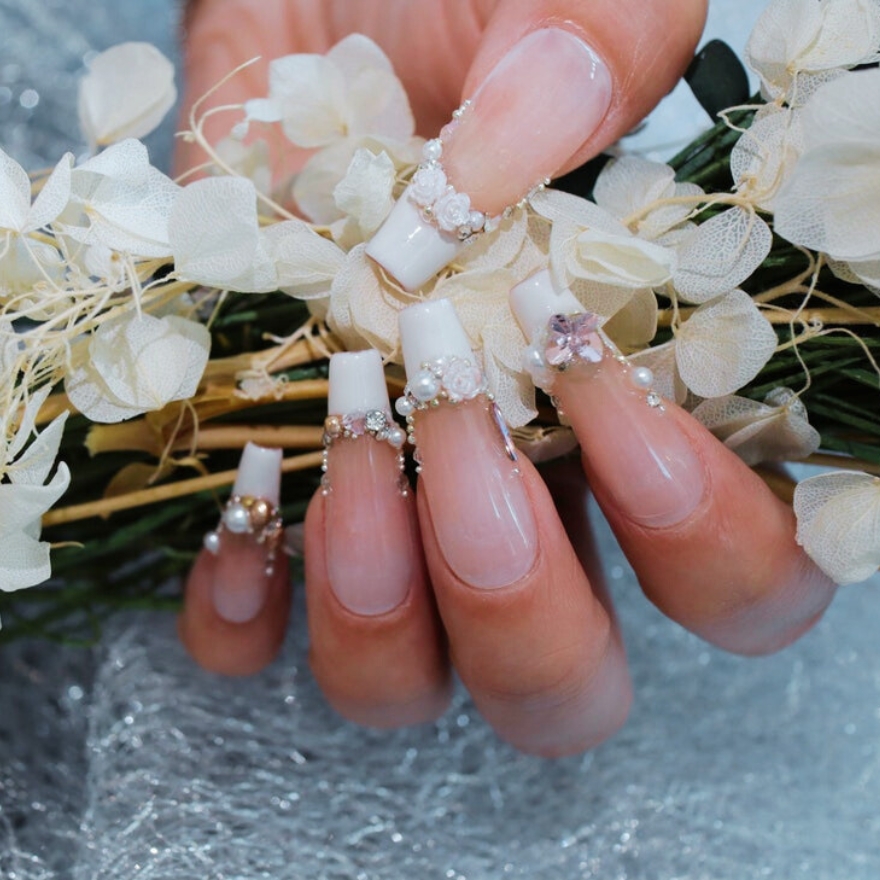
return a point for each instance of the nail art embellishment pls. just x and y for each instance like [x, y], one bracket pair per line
[359, 408]
[249, 515]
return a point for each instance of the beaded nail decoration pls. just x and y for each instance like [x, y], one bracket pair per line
[577, 339]
[248, 515]
[373, 423]
[454, 380]
[439, 203]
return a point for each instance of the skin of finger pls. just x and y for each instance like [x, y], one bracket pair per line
[732, 571]
[233, 648]
[646, 44]
[542, 659]
[385, 671]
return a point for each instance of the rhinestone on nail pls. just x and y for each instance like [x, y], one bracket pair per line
[249, 515]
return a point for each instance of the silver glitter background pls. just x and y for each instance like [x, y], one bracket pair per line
[126, 762]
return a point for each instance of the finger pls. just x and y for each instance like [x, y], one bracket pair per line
[537, 650]
[237, 597]
[377, 648]
[552, 84]
[712, 546]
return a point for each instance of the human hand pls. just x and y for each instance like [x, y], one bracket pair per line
[532, 635]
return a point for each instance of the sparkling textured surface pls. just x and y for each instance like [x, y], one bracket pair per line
[128, 763]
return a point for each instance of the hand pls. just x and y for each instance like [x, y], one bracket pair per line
[531, 634]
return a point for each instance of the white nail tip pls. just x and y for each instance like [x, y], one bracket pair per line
[536, 299]
[410, 249]
[357, 383]
[259, 473]
[431, 330]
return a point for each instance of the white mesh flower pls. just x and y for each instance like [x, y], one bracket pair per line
[831, 202]
[723, 345]
[25, 495]
[797, 45]
[838, 524]
[338, 102]
[120, 201]
[720, 254]
[137, 363]
[775, 430]
[364, 195]
[764, 157]
[126, 93]
[627, 186]
[587, 243]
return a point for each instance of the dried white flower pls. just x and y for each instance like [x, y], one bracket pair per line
[120, 201]
[723, 345]
[831, 202]
[137, 363]
[25, 495]
[838, 524]
[365, 193]
[587, 243]
[126, 93]
[798, 45]
[764, 157]
[776, 430]
[720, 254]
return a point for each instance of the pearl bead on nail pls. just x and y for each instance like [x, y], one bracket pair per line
[424, 387]
[212, 542]
[432, 150]
[642, 377]
[403, 406]
[236, 518]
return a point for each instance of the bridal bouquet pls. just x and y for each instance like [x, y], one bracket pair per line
[150, 327]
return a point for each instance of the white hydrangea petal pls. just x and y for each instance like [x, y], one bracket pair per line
[867, 272]
[377, 102]
[138, 363]
[53, 197]
[501, 247]
[514, 392]
[764, 157]
[623, 260]
[309, 91]
[316, 181]
[503, 340]
[15, 194]
[365, 193]
[563, 207]
[262, 110]
[126, 93]
[24, 561]
[215, 237]
[831, 202]
[634, 325]
[838, 524]
[249, 160]
[598, 297]
[25, 266]
[776, 430]
[363, 311]
[721, 254]
[27, 423]
[119, 200]
[847, 110]
[23, 504]
[35, 464]
[477, 296]
[629, 183]
[306, 262]
[661, 361]
[723, 345]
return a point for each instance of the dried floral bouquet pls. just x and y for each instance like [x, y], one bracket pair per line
[149, 328]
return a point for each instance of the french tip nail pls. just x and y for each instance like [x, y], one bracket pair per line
[535, 300]
[357, 383]
[409, 249]
[431, 330]
[259, 473]
[242, 601]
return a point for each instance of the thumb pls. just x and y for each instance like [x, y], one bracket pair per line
[555, 82]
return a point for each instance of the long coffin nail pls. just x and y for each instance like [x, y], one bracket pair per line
[248, 538]
[638, 455]
[538, 106]
[370, 540]
[480, 510]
